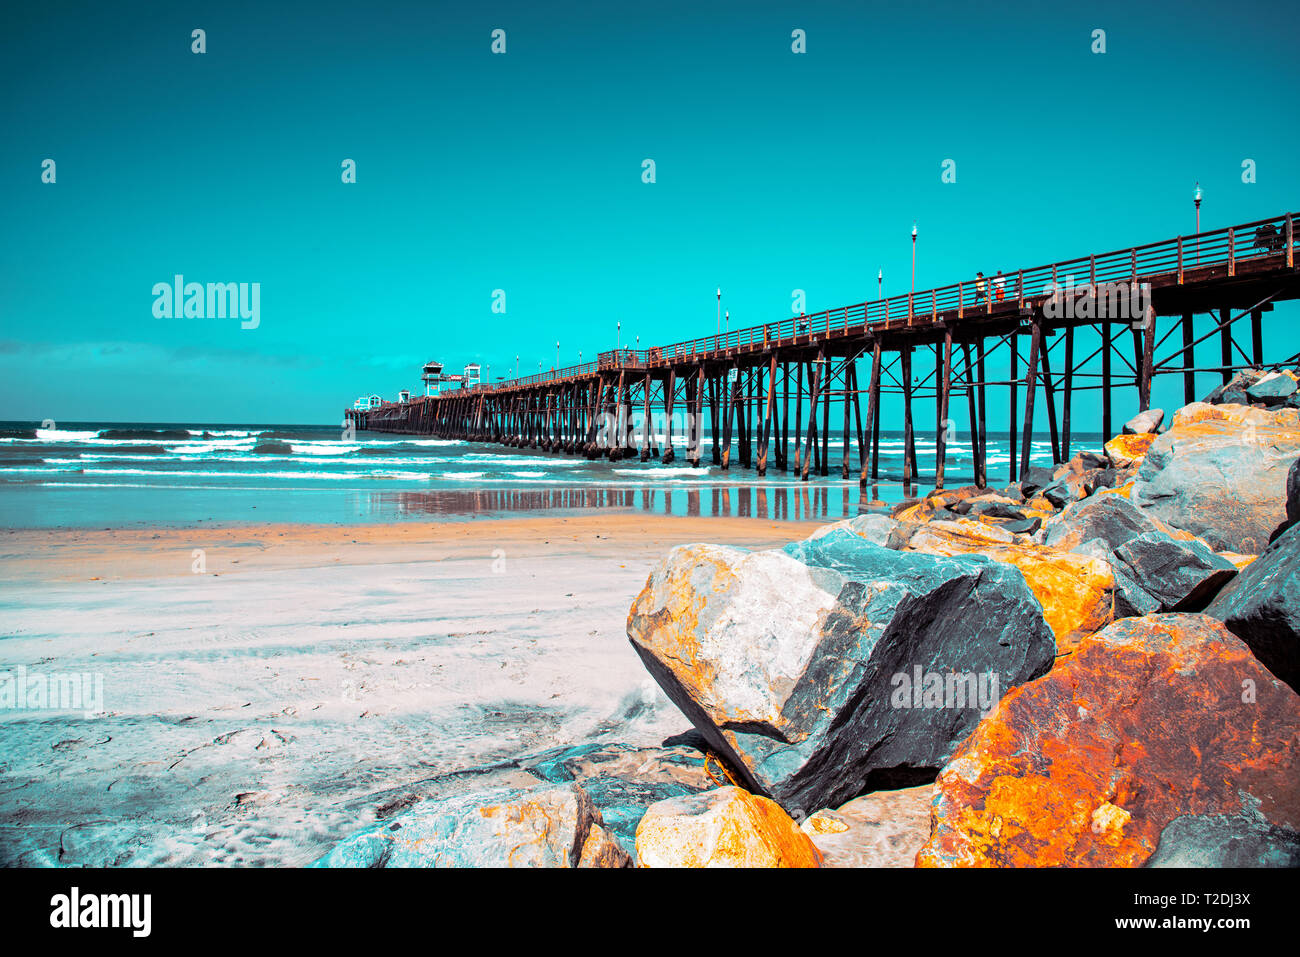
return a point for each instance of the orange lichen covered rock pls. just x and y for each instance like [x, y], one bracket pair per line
[728, 827]
[1126, 450]
[1157, 730]
[1076, 591]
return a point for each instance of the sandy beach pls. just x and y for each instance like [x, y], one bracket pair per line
[264, 695]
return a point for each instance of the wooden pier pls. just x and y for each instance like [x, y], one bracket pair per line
[799, 379]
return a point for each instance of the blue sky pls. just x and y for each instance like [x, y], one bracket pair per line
[522, 172]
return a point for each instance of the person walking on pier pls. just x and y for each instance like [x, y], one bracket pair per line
[997, 281]
[979, 288]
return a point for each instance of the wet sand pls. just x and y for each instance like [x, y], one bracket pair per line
[263, 698]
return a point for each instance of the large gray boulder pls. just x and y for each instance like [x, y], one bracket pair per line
[1220, 472]
[1262, 607]
[1180, 575]
[543, 826]
[833, 666]
[1112, 519]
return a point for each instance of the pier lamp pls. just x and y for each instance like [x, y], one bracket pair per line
[516, 367]
[557, 353]
[1196, 200]
[727, 319]
[880, 284]
[618, 344]
[719, 311]
[579, 357]
[913, 257]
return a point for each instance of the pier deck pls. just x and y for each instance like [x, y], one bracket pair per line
[765, 384]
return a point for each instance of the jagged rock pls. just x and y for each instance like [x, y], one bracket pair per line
[1026, 526]
[1220, 473]
[727, 827]
[1129, 450]
[1111, 518]
[880, 829]
[1036, 478]
[1143, 422]
[1087, 461]
[995, 509]
[502, 827]
[1272, 389]
[786, 660]
[1180, 575]
[1151, 719]
[1262, 607]
[1233, 392]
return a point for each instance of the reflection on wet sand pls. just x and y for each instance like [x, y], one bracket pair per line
[779, 503]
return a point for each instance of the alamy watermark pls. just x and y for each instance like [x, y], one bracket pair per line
[21, 690]
[179, 299]
[1105, 300]
[944, 690]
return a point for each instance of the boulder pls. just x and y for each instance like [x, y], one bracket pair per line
[726, 827]
[1220, 472]
[787, 660]
[1180, 575]
[1145, 422]
[1111, 518]
[1233, 392]
[1262, 607]
[1087, 461]
[1153, 719]
[1026, 526]
[502, 827]
[1272, 389]
[1128, 450]
[880, 829]
[1036, 478]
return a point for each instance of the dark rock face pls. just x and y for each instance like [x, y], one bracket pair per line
[1025, 526]
[1180, 575]
[798, 666]
[1262, 607]
[1035, 479]
[1293, 492]
[1292, 500]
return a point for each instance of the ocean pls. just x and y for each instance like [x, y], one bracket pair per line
[110, 475]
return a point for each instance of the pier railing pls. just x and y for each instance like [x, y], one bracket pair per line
[1195, 255]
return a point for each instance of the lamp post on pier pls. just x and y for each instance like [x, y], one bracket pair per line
[912, 295]
[1196, 200]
